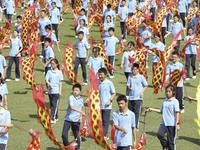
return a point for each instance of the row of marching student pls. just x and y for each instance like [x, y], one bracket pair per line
[126, 118]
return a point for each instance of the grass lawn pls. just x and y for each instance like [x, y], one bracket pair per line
[24, 110]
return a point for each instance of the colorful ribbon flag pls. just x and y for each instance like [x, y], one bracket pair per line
[94, 113]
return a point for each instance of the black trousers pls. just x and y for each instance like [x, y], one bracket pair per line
[17, 67]
[136, 107]
[83, 66]
[179, 97]
[123, 148]
[154, 66]
[73, 4]
[105, 120]
[3, 146]
[42, 40]
[123, 29]
[192, 58]
[75, 126]
[163, 35]
[60, 9]
[171, 136]
[111, 59]
[127, 89]
[176, 48]
[95, 7]
[153, 11]
[54, 102]
[182, 16]
[9, 17]
[167, 19]
[55, 28]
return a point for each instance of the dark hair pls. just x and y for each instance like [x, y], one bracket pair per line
[47, 40]
[172, 88]
[53, 3]
[77, 86]
[123, 0]
[121, 98]
[194, 1]
[96, 48]
[19, 17]
[109, 6]
[1, 78]
[81, 32]
[82, 20]
[176, 15]
[102, 70]
[43, 11]
[132, 43]
[135, 65]
[49, 27]
[56, 61]
[157, 34]
[16, 31]
[108, 16]
[83, 9]
[190, 27]
[111, 29]
[175, 53]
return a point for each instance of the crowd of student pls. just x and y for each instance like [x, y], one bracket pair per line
[126, 119]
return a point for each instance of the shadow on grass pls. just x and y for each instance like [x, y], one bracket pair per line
[40, 70]
[192, 140]
[20, 120]
[68, 82]
[188, 84]
[52, 148]
[152, 133]
[33, 116]
[72, 36]
[17, 92]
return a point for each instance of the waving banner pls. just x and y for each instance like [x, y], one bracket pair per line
[45, 118]
[68, 64]
[6, 35]
[157, 76]
[94, 113]
[197, 120]
[35, 142]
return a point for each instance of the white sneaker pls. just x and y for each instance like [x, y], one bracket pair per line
[137, 130]
[111, 76]
[8, 80]
[52, 122]
[187, 79]
[44, 72]
[147, 66]
[85, 83]
[76, 37]
[41, 56]
[16, 79]
[194, 77]
[182, 111]
[127, 97]
[124, 40]
[106, 138]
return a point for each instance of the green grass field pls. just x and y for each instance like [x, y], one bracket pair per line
[24, 110]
